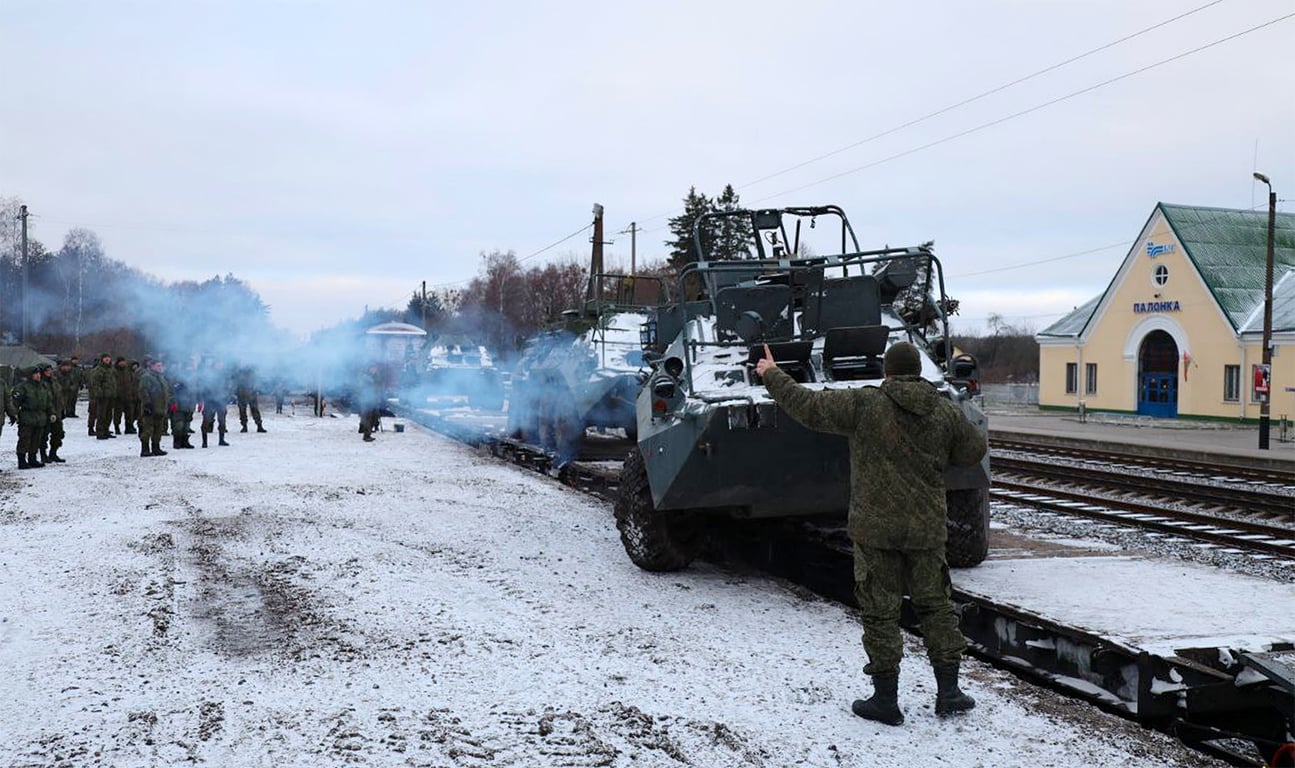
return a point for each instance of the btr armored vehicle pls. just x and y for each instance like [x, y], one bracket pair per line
[586, 372]
[712, 442]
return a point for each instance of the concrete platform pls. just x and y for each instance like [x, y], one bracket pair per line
[1181, 436]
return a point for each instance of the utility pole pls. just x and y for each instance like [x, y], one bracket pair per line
[423, 305]
[26, 273]
[596, 259]
[1265, 421]
[633, 230]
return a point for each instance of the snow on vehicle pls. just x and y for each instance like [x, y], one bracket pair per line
[587, 372]
[712, 442]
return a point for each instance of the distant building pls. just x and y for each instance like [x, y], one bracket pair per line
[1178, 331]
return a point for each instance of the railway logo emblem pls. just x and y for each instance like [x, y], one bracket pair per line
[1154, 250]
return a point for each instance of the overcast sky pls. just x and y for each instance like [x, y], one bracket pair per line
[335, 155]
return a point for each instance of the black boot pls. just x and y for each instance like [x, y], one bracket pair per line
[222, 438]
[204, 438]
[43, 456]
[32, 462]
[144, 450]
[949, 698]
[244, 429]
[22, 460]
[157, 447]
[54, 457]
[883, 707]
[260, 428]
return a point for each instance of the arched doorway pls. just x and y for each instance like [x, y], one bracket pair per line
[1158, 375]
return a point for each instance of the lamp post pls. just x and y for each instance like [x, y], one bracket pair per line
[1264, 420]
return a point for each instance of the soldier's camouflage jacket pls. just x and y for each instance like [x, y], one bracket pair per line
[154, 393]
[34, 403]
[102, 381]
[902, 436]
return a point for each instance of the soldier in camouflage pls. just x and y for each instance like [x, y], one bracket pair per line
[7, 408]
[68, 381]
[32, 401]
[213, 398]
[53, 434]
[246, 391]
[155, 402]
[102, 383]
[902, 436]
[184, 398]
[76, 380]
[126, 386]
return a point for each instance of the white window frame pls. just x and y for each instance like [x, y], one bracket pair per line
[1072, 378]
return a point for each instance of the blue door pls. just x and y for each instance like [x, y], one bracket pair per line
[1158, 376]
[1158, 395]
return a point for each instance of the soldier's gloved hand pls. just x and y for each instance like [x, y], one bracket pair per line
[148, 409]
[199, 407]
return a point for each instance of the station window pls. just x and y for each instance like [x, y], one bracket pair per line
[1090, 378]
[1231, 383]
[1160, 276]
[1072, 378]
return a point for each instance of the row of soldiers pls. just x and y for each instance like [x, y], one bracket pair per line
[147, 401]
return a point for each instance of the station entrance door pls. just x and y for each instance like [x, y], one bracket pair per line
[1158, 376]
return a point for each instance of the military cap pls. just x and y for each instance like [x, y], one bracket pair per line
[102, 355]
[902, 359]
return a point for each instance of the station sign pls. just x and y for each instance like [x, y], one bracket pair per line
[1143, 307]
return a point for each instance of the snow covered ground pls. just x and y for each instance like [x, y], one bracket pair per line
[302, 598]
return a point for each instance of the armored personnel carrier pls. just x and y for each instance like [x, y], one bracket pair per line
[587, 372]
[459, 367]
[712, 442]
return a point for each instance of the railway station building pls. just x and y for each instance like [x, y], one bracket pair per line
[1179, 329]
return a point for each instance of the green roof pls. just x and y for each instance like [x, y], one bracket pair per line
[1073, 323]
[1229, 249]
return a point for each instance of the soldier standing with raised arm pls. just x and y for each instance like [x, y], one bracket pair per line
[902, 435]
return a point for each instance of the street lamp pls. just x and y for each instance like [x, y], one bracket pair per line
[1264, 421]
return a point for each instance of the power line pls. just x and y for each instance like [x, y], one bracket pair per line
[527, 257]
[981, 95]
[1183, 230]
[964, 102]
[1030, 110]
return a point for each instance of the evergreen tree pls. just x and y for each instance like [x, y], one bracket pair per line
[732, 233]
[683, 248]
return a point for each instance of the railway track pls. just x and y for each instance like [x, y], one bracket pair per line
[1216, 468]
[1204, 707]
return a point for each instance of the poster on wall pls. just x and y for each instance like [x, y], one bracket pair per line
[1262, 372]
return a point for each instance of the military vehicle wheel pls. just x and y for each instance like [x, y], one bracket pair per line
[655, 541]
[968, 542]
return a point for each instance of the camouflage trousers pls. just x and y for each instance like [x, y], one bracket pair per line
[881, 579]
[30, 438]
[100, 422]
[249, 403]
[213, 414]
[151, 428]
[53, 435]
